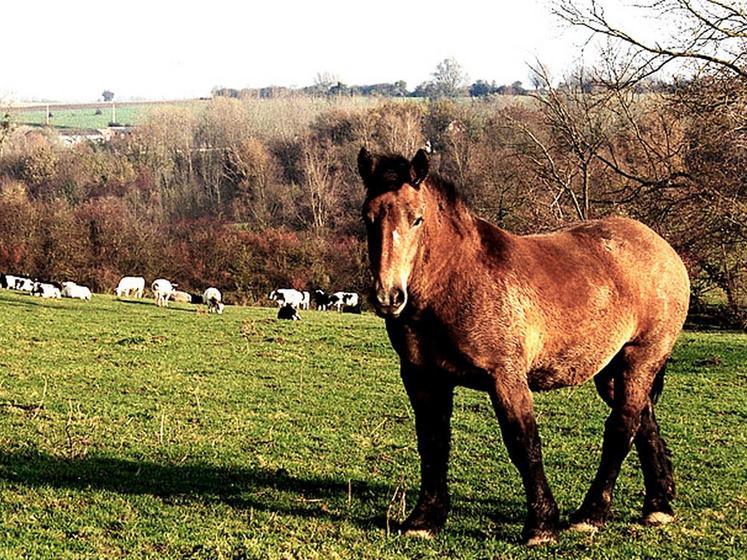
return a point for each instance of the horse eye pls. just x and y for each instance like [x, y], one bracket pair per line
[418, 221]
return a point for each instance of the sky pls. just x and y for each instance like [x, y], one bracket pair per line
[73, 50]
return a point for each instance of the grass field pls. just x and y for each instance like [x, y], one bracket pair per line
[129, 431]
[83, 118]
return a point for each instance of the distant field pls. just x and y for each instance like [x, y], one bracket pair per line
[284, 116]
[130, 431]
[85, 117]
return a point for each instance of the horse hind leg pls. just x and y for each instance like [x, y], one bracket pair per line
[625, 385]
[656, 464]
[652, 450]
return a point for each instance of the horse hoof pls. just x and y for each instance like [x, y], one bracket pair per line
[542, 538]
[584, 527]
[420, 534]
[656, 518]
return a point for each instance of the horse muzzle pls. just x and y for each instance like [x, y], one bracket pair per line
[389, 303]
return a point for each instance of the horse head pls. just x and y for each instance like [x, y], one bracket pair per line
[394, 212]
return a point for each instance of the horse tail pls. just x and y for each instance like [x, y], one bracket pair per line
[658, 385]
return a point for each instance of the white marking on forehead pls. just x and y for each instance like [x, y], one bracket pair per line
[395, 236]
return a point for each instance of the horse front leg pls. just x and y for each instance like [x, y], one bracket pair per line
[513, 404]
[432, 401]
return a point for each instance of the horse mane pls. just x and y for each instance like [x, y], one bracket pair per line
[445, 188]
[392, 171]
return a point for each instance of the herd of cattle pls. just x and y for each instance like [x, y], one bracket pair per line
[288, 300]
[44, 289]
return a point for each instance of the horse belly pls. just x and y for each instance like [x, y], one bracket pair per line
[573, 365]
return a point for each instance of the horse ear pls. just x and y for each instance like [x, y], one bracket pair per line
[365, 165]
[419, 168]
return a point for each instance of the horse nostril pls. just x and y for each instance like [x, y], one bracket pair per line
[391, 298]
[382, 297]
[398, 297]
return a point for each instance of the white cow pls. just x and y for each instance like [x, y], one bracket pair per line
[305, 300]
[162, 290]
[14, 282]
[46, 290]
[214, 301]
[8, 281]
[73, 290]
[287, 296]
[25, 284]
[131, 285]
[344, 299]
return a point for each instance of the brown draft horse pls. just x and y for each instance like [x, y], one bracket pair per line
[467, 303]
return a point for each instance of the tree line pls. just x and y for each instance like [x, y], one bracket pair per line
[448, 81]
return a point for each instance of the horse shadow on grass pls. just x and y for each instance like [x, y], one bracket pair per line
[357, 501]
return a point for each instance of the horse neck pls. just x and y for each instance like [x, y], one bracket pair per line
[450, 241]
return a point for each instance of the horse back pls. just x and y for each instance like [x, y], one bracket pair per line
[575, 297]
[616, 256]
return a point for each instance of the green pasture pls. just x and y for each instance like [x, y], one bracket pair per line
[131, 431]
[83, 118]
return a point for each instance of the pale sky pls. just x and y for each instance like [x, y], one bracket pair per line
[72, 50]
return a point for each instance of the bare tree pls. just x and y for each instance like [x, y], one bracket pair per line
[324, 81]
[222, 128]
[319, 180]
[711, 33]
[696, 171]
[163, 144]
[253, 169]
[575, 126]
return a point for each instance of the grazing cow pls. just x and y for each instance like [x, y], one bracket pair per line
[288, 312]
[322, 300]
[162, 290]
[22, 283]
[46, 290]
[73, 290]
[214, 301]
[342, 300]
[131, 285]
[289, 296]
[25, 284]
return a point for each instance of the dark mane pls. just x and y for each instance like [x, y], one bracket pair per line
[446, 188]
[392, 171]
[389, 174]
